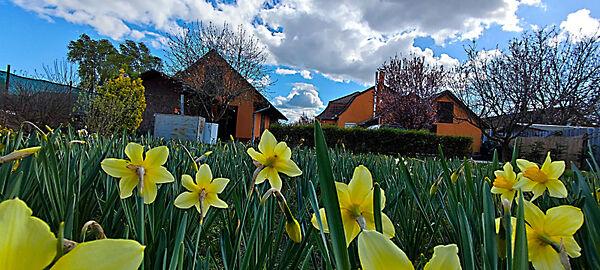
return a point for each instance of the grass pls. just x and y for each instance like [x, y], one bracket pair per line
[64, 183]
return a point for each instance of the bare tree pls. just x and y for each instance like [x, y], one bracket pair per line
[60, 71]
[410, 84]
[541, 77]
[242, 50]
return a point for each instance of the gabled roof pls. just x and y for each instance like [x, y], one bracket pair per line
[177, 85]
[338, 106]
[19, 83]
[473, 115]
[269, 107]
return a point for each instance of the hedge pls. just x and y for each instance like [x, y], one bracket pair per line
[383, 140]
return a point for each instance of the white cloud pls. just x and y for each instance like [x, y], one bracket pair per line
[345, 40]
[580, 24]
[302, 99]
[304, 73]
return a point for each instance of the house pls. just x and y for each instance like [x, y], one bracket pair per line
[246, 117]
[360, 109]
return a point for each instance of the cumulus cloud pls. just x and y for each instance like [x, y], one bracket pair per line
[302, 99]
[345, 40]
[304, 73]
[580, 25]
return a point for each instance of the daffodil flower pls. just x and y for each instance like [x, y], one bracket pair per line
[292, 228]
[504, 182]
[138, 171]
[28, 243]
[546, 233]
[377, 252]
[537, 180]
[356, 205]
[202, 192]
[20, 154]
[274, 158]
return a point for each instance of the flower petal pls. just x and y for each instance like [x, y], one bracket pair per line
[274, 179]
[509, 172]
[267, 143]
[538, 190]
[377, 252]
[213, 200]
[343, 194]
[149, 192]
[283, 151]
[387, 226]
[315, 222]
[287, 166]
[159, 175]
[262, 175]
[546, 258]
[556, 188]
[188, 182]
[217, 185]
[368, 203]
[135, 153]
[534, 216]
[186, 200]
[555, 169]
[523, 164]
[563, 220]
[360, 185]
[351, 228]
[204, 209]
[156, 156]
[116, 167]
[571, 247]
[26, 242]
[126, 186]
[105, 254]
[204, 176]
[524, 183]
[444, 258]
[255, 155]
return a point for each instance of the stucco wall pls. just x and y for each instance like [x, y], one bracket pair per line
[461, 125]
[360, 110]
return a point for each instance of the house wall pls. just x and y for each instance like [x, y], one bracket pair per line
[461, 125]
[360, 110]
[160, 98]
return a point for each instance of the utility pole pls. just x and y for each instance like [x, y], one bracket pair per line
[7, 78]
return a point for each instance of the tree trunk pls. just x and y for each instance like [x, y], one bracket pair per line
[505, 151]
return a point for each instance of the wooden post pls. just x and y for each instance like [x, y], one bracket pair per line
[7, 78]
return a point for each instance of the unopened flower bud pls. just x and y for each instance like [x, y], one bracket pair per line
[454, 177]
[433, 189]
[20, 154]
[292, 227]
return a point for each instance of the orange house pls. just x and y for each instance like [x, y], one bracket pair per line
[359, 109]
[246, 117]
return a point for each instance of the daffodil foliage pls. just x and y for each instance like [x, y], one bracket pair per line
[28, 243]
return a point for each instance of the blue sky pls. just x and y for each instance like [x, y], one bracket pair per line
[322, 50]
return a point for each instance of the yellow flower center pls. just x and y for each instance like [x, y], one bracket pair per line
[536, 175]
[501, 182]
[270, 160]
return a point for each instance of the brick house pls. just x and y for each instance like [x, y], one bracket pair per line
[248, 114]
[360, 109]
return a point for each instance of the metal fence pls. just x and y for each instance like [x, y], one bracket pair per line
[590, 134]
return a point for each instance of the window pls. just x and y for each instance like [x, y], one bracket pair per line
[349, 125]
[445, 112]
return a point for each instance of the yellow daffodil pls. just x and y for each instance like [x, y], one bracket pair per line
[138, 171]
[537, 180]
[356, 205]
[546, 233]
[377, 252]
[274, 158]
[28, 243]
[202, 192]
[504, 182]
[20, 154]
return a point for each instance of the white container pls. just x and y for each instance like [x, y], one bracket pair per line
[181, 127]
[210, 133]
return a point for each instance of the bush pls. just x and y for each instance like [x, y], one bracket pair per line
[119, 105]
[383, 141]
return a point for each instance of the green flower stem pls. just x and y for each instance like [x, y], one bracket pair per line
[141, 221]
[196, 245]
